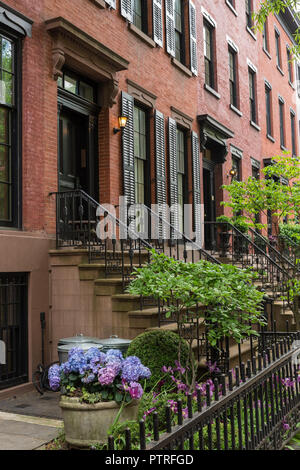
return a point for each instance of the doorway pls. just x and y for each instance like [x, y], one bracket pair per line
[73, 152]
[209, 204]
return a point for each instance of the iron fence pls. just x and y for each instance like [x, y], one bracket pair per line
[254, 407]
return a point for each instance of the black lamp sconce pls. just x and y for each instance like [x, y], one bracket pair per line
[122, 124]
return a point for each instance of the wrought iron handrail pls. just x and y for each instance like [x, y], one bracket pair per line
[250, 242]
[182, 236]
[272, 249]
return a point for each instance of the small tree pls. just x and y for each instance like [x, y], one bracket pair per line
[280, 199]
[253, 197]
[233, 303]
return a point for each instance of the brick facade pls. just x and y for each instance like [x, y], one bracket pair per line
[173, 86]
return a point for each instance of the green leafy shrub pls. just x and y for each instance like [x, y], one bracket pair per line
[158, 348]
[290, 232]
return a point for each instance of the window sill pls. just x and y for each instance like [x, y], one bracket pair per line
[236, 110]
[181, 67]
[253, 124]
[267, 53]
[231, 8]
[279, 69]
[141, 35]
[271, 138]
[251, 33]
[99, 3]
[212, 91]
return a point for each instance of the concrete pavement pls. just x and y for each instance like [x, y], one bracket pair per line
[19, 432]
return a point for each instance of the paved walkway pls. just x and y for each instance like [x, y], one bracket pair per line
[19, 432]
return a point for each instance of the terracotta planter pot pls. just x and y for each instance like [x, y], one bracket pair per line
[86, 424]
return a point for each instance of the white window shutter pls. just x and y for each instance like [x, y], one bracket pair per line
[170, 27]
[174, 216]
[127, 9]
[111, 3]
[128, 149]
[196, 185]
[193, 38]
[157, 22]
[160, 164]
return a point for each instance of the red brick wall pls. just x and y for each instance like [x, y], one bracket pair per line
[152, 69]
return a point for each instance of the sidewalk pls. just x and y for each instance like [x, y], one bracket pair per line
[19, 432]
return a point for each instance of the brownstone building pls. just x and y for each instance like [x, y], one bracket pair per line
[192, 79]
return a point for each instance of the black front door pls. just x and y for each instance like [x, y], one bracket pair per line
[73, 151]
[13, 329]
[209, 206]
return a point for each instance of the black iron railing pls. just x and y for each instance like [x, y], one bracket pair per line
[237, 248]
[77, 222]
[254, 407]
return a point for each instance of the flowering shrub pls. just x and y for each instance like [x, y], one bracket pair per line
[94, 376]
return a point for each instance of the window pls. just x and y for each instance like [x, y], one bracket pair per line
[290, 65]
[140, 15]
[181, 176]
[73, 84]
[140, 153]
[293, 133]
[268, 110]
[252, 95]
[249, 12]
[281, 120]
[277, 45]
[208, 34]
[179, 31]
[236, 165]
[233, 78]
[9, 155]
[265, 36]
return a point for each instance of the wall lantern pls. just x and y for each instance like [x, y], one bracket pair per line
[233, 172]
[122, 124]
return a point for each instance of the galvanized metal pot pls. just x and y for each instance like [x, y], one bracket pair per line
[87, 424]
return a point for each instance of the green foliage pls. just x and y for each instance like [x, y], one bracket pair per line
[289, 232]
[228, 291]
[268, 7]
[158, 348]
[253, 197]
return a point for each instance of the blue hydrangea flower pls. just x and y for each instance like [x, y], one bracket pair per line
[115, 352]
[54, 377]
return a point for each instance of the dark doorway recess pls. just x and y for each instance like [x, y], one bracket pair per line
[14, 328]
[77, 144]
[209, 203]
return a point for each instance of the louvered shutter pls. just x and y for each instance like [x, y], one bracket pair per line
[193, 38]
[173, 175]
[157, 22]
[111, 3]
[196, 186]
[161, 197]
[127, 9]
[170, 27]
[128, 149]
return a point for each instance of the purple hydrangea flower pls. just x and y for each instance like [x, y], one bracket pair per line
[54, 377]
[133, 369]
[106, 376]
